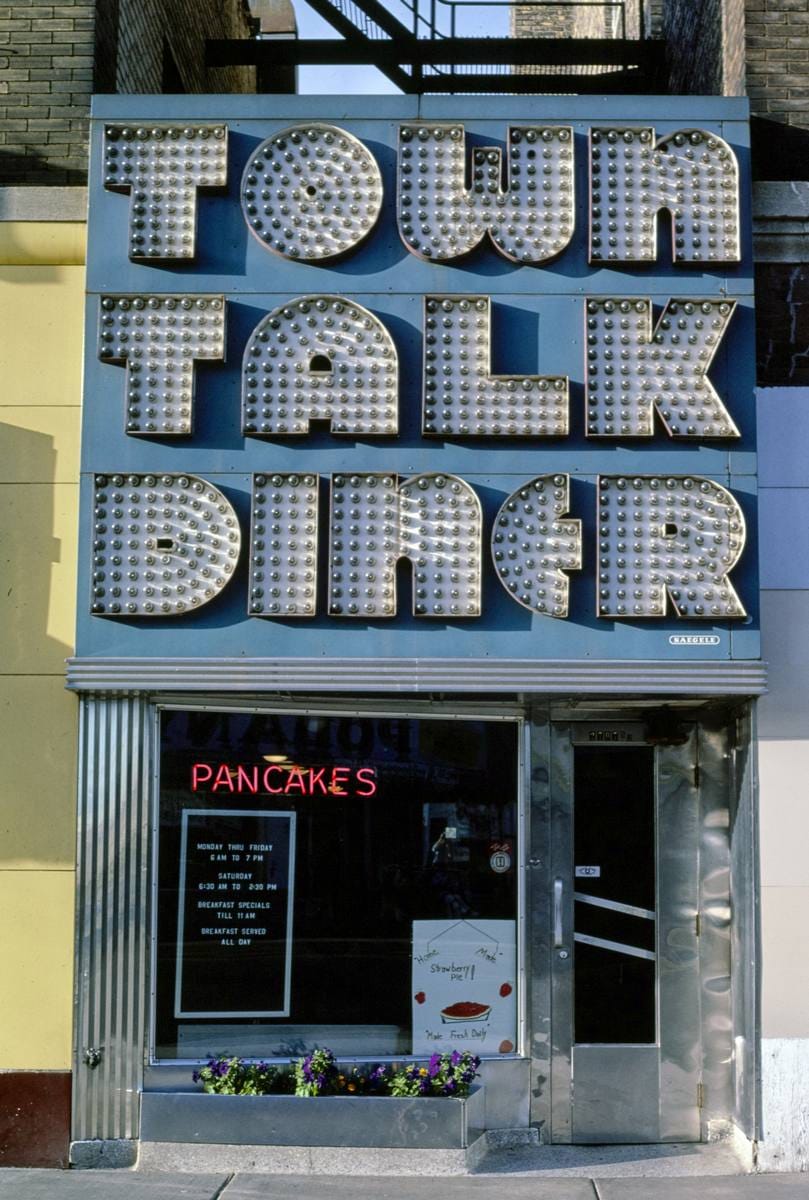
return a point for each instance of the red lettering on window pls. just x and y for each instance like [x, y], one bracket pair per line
[316, 778]
[266, 780]
[223, 779]
[247, 779]
[339, 776]
[367, 775]
[200, 773]
[296, 778]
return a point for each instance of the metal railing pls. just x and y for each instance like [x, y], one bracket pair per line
[436, 19]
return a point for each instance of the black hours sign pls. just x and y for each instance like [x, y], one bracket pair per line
[234, 928]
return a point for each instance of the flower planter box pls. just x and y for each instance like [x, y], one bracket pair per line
[384, 1122]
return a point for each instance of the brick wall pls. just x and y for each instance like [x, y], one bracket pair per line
[693, 34]
[733, 49]
[46, 79]
[53, 56]
[547, 20]
[544, 19]
[149, 29]
[777, 47]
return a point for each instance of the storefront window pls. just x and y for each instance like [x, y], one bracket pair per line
[348, 881]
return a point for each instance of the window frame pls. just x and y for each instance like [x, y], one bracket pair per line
[157, 1070]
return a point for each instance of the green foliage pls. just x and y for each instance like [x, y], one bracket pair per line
[316, 1074]
[234, 1077]
[448, 1074]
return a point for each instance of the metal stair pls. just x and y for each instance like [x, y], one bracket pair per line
[369, 24]
[437, 46]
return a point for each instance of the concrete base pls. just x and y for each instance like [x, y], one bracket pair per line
[671, 1160]
[784, 1144]
[308, 1160]
[101, 1153]
[506, 1139]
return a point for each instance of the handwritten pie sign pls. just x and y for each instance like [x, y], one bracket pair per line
[464, 986]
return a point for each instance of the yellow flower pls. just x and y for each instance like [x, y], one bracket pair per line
[423, 1071]
[352, 1087]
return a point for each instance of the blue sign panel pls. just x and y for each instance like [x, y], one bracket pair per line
[388, 378]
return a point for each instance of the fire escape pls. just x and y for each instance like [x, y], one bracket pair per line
[571, 47]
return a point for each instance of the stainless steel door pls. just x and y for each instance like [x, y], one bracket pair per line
[625, 980]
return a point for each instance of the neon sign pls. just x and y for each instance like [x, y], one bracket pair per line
[284, 779]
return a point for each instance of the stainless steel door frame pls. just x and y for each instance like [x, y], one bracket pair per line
[678, 915]
[560, 866]
[636, 1092]
[538, 974]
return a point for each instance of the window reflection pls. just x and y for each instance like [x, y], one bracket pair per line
[397, 820]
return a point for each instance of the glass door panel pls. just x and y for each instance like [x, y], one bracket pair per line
[614, 894]
[624, 951]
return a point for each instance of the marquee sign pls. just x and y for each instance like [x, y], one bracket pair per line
[419, 382]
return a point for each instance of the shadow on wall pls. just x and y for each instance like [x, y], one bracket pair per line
[32, 169]
[36, 593]
[778, 151]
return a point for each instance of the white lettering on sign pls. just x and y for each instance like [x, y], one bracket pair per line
[327, 358]
[313, 192]
[461, 396]
[692, 175]
[634, 371]
[158, 339]
[694, 639]
[320, 358]
[529, 216]
[163, 167]
[667, 539]
[166, 544]
[532, 548]
[432, 520]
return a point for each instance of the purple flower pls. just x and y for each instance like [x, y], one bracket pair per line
[377, 1077]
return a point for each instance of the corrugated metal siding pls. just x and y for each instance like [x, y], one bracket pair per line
[698, 677]
[112, 913]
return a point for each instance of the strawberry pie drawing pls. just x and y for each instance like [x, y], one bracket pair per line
[465, 1010]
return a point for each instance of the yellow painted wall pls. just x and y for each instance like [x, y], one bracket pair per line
[41, 316]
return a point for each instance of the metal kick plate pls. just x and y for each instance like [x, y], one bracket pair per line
[615, 1089]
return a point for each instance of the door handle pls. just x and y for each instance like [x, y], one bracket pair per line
[558, 890]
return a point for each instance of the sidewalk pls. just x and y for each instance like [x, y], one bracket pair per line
[674, 1171]
[138, 1185]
